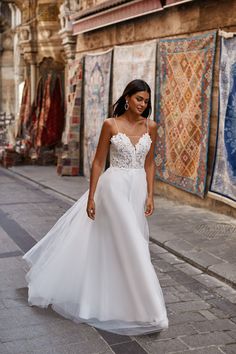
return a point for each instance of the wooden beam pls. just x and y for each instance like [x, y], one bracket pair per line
[116, 14]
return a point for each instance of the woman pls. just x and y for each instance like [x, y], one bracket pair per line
[96, 268]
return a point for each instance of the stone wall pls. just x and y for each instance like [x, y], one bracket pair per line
[38, 36]
[7, 97]
[7, 78]
[86, 4]
[183, 20]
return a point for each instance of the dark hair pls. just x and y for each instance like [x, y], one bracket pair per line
[132, 87]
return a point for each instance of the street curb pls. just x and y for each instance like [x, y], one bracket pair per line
[195, 264]
[169, 249]
[13, 172]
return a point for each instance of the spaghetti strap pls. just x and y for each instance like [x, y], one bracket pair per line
[116, 125]
[147, 125]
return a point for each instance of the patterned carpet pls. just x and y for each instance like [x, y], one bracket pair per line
[223, 184]
[69, 160]
[24, 110]
[134, 62]
[97, 71]
[184, 87]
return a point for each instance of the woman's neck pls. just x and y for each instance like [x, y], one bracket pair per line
[131, 117]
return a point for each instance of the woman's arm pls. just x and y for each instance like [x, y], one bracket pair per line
[98, 164]
[150, 169]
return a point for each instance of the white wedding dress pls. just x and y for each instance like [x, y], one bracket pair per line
[100, 272]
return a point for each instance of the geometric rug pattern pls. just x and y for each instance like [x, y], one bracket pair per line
[184, 85]
[69, 159]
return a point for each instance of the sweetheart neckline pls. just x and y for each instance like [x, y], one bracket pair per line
[134, 145]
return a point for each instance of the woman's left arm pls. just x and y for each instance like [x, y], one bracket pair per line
[150, 169]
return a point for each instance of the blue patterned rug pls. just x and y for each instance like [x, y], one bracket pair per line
[97, 71]
[223, 184]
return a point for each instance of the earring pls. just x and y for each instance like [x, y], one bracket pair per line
[126, 105]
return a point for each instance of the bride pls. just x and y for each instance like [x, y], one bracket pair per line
[94, 264]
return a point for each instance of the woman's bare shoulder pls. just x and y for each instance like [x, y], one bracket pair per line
[109, 121]
[152, 124]
[108, 124]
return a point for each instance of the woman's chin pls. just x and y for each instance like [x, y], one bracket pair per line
[139, 112]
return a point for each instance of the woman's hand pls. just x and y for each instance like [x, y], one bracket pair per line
[91, 208]
[149, 206]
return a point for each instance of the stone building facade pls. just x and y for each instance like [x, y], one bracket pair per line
[31, 47]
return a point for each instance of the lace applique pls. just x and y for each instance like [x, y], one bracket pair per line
[124, 154]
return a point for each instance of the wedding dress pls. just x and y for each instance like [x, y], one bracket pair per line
[100, 271]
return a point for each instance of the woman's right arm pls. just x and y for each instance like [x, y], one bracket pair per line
[98, 164]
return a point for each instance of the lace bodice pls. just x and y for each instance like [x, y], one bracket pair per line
[124, 154]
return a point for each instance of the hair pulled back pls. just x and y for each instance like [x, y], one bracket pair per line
[132, 88]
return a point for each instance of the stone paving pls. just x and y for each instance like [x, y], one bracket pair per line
[204, 239]
[201, 309]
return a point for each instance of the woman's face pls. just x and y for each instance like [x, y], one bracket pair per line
[138, 102]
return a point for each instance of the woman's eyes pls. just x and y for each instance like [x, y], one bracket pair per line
[140, 99]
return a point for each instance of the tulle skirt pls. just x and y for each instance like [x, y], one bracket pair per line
[100, 272]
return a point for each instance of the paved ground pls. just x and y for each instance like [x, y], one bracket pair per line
[201, 309]
[203, 238]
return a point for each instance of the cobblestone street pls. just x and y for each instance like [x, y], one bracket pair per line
[201, 308]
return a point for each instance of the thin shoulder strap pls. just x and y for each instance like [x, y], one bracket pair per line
[147, 125]
[116, 125]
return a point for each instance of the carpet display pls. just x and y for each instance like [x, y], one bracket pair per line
[54, 121]
[24, 110]
[47, 116]
[223, 184]
[69, 159]
[97, 69]
[134, 62]
[184, 85]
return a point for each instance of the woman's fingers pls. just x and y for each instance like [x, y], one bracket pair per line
[149, 209]
[91, 210]
[91, 213]
[148, 212]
